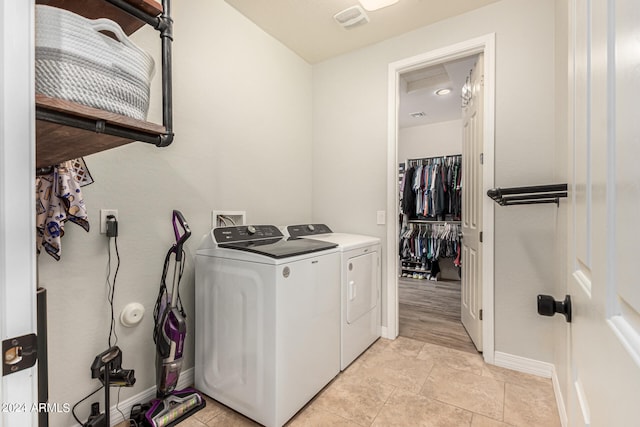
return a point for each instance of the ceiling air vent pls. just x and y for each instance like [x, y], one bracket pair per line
[351, 17]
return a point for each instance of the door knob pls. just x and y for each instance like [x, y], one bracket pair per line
[547, 306]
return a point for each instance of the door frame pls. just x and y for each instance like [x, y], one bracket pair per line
[17, 199]
[483, 44]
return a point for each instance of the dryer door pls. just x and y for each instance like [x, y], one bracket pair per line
[362, 289]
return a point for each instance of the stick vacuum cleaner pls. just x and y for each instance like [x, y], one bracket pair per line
[171, 406]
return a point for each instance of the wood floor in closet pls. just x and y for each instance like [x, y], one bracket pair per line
[430, 312]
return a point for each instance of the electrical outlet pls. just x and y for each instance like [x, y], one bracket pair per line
[104, 213]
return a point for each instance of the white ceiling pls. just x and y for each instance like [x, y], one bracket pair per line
[308, 28]
[417, 93]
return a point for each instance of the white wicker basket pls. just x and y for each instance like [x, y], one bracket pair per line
[76, 62]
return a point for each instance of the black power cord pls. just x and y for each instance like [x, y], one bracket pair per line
[73, 410]
[112, 233]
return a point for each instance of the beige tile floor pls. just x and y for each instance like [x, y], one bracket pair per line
[411, 383]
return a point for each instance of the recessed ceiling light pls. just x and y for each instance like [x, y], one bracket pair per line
[417, 114]
[371, 5]
[443, 91]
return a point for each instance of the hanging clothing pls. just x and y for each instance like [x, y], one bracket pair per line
[423, 245]
[432, 188]
[58, 200]
[430, 241]
[408, 195]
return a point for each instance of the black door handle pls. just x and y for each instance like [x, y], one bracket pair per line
[548, 306]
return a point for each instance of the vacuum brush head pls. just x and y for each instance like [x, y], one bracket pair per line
[174, 408]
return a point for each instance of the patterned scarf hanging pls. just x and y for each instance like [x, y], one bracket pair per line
[58, 200]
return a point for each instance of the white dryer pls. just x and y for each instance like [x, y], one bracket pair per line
[267, 320]
[360, 287]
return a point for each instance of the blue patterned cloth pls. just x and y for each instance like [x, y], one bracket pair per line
[58, 200]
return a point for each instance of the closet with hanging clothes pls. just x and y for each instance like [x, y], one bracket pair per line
[430, 205]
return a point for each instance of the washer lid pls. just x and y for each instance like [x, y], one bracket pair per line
[279, 248]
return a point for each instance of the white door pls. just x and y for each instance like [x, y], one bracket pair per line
[472, 189]
[18, 391]
[603, 383]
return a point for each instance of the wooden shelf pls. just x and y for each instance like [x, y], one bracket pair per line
[66, 130]
[94, 9]
[58, 143]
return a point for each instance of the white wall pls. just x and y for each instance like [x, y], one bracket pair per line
[243, 129]
[350, 142]
[433, 140]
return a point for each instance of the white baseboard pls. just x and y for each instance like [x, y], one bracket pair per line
[522, 364]
[383, 332]
[541, 369]
[562, 410]
[185, 380]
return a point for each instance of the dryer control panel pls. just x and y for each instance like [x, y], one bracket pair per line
[308, 230]
[243, 233]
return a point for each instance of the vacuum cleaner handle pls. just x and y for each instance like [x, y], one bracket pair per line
[178, 219]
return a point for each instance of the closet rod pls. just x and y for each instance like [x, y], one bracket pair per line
[528, 195]
[431, 158]
[426, 221]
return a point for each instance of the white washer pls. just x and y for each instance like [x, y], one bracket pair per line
[267, 320]
[360, 287]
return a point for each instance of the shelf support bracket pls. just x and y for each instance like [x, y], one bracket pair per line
[164, 24]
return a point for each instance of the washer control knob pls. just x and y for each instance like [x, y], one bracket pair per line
[311, 227]
[251, 229]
